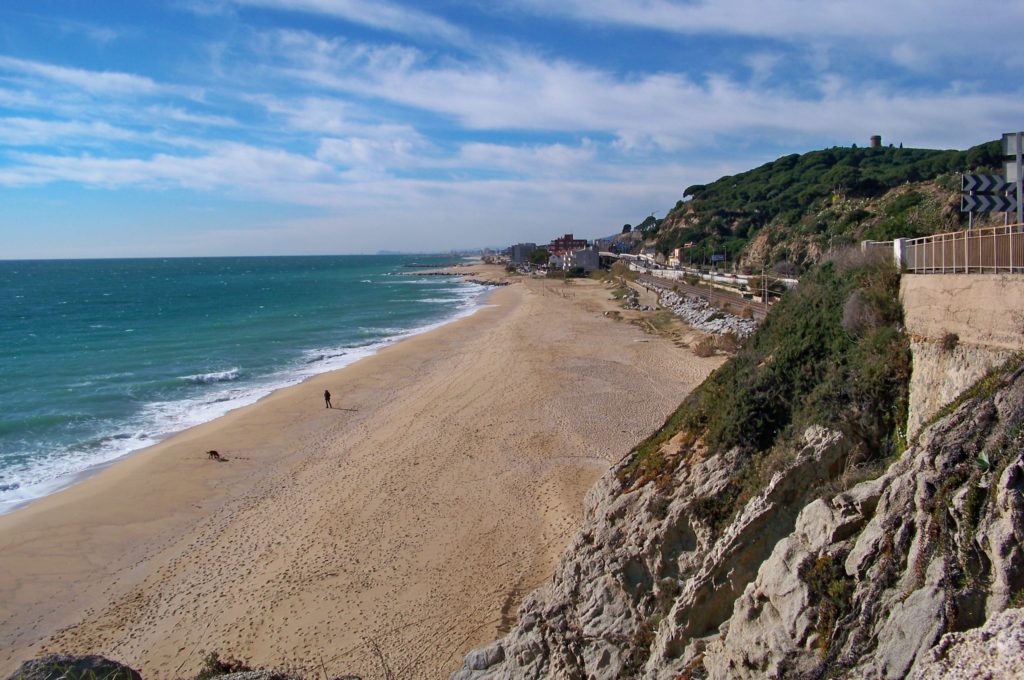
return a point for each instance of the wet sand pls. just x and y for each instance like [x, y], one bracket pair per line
[413, 516]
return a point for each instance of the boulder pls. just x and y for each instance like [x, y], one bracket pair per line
[71, 667]
[992, 652]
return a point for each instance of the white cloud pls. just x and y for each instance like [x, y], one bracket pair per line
[762, 66]
[392, 147]
[511, 90]
[792, 19]
[514, 90]
[321, 115]
[377, 14]
[18, 131]
[98, 82]
[930, 29]
[236, 167]
[529, 161]
[180, 115]
[19, 99]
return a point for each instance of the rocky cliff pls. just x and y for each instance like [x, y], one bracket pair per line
[802, 582]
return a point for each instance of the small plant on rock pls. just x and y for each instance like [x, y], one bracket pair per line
[983, 462]
[832, 589]
[214, 666]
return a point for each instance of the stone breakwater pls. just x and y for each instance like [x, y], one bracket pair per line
[701, 315]
[463, 275]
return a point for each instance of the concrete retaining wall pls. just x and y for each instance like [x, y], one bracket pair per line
[984, 311]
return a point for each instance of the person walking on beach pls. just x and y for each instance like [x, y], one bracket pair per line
[327, 399]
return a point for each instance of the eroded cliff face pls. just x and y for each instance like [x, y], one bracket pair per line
[942, 370]
[815, 575]
[960, 327]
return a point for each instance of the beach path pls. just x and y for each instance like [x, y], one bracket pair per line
[414, 516]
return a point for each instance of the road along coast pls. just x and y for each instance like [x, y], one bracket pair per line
[412, 517]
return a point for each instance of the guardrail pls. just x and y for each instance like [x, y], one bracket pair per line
[984, 250]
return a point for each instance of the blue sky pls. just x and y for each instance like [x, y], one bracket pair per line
[218, 127]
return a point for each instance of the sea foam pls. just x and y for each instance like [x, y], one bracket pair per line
[212, 377]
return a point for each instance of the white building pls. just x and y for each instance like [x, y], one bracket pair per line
[587, 259]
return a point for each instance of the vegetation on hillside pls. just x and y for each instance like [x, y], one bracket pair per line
[832, 352]
[822, 198]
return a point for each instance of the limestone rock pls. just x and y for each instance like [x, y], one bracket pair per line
[932, 545]
[992, 652]
[263, 674]
[72, 667]
[941, 373]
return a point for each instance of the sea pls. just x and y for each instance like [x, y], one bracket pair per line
[100, 358]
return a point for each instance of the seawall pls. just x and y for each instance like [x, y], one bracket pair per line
[960, 327]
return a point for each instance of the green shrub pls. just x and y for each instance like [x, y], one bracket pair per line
[705, 347]
[831, 588]
[800, 368]
[539, 256]
[902, 203]
[214, 666]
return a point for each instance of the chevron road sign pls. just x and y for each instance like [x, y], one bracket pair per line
[984, 184]
[985, 203]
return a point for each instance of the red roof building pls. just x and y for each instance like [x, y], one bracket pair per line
[566, 244]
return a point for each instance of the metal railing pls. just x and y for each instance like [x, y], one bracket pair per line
[986, 250]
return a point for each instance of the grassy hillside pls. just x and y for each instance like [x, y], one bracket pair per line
[793, 210]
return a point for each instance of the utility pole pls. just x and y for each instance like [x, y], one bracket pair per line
[764, 293]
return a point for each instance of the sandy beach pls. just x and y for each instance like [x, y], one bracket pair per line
[413, 516]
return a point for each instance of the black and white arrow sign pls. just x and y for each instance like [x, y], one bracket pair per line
[985, 184]
[984, 203]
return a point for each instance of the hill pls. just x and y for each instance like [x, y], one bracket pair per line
[790, 212]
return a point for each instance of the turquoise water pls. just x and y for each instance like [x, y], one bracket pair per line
[99, 358]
